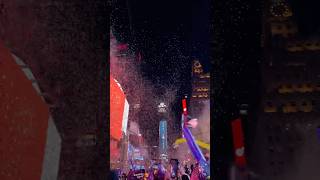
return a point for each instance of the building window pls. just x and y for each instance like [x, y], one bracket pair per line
[197, 70]
[283, 89]
[202, 89]
[289, 107]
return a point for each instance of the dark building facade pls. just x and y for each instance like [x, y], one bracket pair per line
[289, 111]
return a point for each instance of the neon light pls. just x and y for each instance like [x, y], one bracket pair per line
[163, 143]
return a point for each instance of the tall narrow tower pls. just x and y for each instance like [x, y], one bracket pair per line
[163, 135]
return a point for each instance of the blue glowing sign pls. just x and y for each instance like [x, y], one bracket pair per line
[163, 141]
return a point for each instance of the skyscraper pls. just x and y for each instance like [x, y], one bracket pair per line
[289, 114]
[200, 88]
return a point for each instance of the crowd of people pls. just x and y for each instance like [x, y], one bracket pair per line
[158, 171]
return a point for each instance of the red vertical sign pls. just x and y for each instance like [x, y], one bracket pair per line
[184, 106]
[238, 143]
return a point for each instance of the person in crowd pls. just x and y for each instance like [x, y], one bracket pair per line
[131, 175]
[197, 173]
[167, 174]
[124, 176]
[186, 169]
[146, 175]
[192, 167]
[179, 174]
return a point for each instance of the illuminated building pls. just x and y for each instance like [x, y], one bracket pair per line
[200, 88]
[289, 113]
[200, 103]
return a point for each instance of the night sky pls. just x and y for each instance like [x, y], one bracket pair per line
[180, 27]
